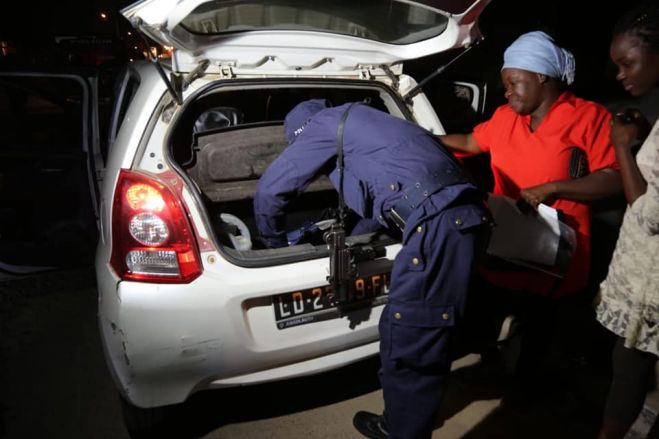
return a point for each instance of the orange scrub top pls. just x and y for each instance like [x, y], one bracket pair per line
[521, 158]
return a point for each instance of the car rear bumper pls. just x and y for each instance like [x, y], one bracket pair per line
[165, 342]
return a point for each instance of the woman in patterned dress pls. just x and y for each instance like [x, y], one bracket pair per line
[629, 305]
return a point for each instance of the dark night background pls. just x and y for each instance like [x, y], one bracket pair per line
[28, 35]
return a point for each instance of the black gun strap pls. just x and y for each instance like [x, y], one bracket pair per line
[339, 155]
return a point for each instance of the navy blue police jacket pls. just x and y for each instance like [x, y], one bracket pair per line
[383, 156]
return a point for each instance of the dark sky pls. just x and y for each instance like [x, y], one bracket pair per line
[39, 19]
[582, 26]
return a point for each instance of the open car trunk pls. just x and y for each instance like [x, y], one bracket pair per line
[226, 138]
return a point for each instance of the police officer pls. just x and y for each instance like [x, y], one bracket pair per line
[394, 172]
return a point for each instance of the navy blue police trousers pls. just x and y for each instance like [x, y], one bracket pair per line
[429, 284]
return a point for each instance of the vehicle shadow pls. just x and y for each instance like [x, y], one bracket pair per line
[567, 405]
[211, 409]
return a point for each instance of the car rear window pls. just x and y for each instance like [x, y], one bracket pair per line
[389, 22]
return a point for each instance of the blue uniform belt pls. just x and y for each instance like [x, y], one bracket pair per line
[416, 194]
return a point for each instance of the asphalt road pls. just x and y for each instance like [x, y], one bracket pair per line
[54, 384]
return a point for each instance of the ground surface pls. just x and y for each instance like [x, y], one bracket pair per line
[55, 385]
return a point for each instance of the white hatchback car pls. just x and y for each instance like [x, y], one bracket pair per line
[189, 300]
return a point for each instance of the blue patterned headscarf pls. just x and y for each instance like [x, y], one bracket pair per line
[537, 52]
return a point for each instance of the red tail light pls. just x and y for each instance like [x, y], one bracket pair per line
[152, 239]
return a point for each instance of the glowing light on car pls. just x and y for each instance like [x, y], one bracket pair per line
[144, 197]
[152, 238]
[148, 229]
[146, 262]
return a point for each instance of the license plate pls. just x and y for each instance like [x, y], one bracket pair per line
[312, 305]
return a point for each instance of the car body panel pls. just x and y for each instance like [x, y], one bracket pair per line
[219, 329]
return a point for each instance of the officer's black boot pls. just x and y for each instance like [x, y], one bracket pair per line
[371, 425]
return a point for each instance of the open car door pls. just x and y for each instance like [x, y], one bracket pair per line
[50, 164]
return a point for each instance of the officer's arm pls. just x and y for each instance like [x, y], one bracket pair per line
[284, 180]
[273, 192]
[464, 143]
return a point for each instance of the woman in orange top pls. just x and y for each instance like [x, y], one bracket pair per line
[531, 141]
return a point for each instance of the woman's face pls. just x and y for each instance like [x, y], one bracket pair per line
[638, 65]
[523, 90]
